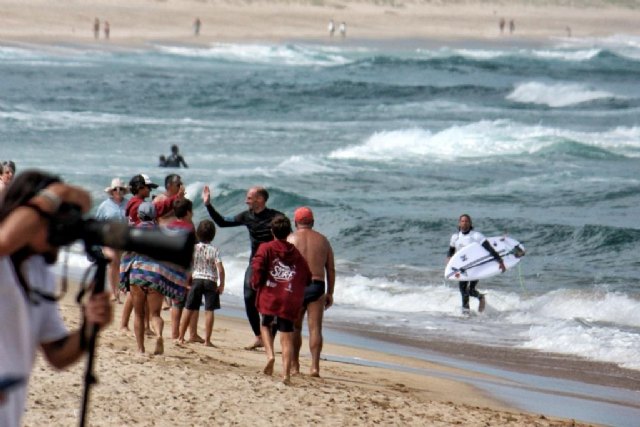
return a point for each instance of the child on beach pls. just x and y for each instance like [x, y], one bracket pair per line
[280, 275]
[207, 279]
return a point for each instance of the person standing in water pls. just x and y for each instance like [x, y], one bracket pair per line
[465, 236]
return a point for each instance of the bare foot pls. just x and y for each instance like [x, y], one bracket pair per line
[268, 369]
[286, 380]
[257, 344]
[197, 339]
[209, 344]
[315, 374]
[124, 328]
[295, 368]
[159, 346]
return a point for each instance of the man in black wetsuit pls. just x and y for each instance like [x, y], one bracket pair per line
[175, 159]
[257, 219]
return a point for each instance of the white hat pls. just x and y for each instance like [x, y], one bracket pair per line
[116, 183]
[148, 182]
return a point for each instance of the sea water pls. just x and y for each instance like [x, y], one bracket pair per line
[388, 145]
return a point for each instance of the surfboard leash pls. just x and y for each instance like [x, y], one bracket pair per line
[522, 280]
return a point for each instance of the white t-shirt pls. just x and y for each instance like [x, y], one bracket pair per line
[24, 326]
[459, 240]
[205, 258]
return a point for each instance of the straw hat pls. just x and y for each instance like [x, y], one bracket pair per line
[116, 183]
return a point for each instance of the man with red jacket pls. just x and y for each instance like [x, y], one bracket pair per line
[280, 275]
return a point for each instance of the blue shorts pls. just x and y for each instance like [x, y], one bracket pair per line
[313, 292]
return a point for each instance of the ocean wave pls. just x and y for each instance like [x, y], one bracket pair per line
[597, 325]
[557, 95]
[623, 45]
[293, 55]
[482, 139]
[88, 119]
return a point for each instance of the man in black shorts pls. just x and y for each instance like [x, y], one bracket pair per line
[317, 251]
[257, 219]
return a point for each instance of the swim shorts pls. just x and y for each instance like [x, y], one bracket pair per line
[283, 325]
[313, 292]
[200, 288]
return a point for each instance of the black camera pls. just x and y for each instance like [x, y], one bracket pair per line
[67, 226]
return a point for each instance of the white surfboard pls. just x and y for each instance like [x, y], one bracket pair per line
[473, 262]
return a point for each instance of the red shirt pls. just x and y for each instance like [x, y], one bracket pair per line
[280, 274]
[131, 210]
[181, 224]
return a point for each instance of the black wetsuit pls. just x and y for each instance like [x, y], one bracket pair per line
[259, 226]
[175, 161]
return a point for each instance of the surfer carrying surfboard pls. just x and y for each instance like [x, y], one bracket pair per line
[464, 237]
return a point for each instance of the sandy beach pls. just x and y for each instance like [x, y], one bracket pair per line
[196, 385]
[140, 21]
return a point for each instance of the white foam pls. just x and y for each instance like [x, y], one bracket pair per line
[481, 139]
[556, 95]
[87, 119]
[297, 55]
[625, 45]
[568, 55]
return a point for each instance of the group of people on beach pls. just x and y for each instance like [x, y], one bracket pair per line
[342, 29]
[290, 274]
[96, 29]
[502, 23]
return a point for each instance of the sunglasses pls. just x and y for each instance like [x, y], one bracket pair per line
[120, 189]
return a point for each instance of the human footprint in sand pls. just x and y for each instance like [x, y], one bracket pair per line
[280, 275]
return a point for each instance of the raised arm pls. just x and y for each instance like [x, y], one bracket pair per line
[220, 220]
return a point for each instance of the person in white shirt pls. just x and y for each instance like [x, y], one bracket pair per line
[459, 240]
[28, 297]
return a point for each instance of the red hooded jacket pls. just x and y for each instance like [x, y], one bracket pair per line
[280, 274]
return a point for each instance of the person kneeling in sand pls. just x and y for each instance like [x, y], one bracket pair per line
[280, 275]
[207, 280]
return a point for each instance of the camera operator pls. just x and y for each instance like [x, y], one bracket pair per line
[28, 308]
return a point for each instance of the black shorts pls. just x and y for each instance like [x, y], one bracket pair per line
[313, 291]
[200, 287]
[283, 325]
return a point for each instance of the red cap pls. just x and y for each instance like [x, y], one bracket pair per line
[303, 215]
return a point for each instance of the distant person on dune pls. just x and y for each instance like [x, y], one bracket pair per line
[332, 28]
[196, 27]
[501, 25]
[512, 26]
[107, 30]
[465, 236]
[343, 29]
[175, 159]
[96, 28]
